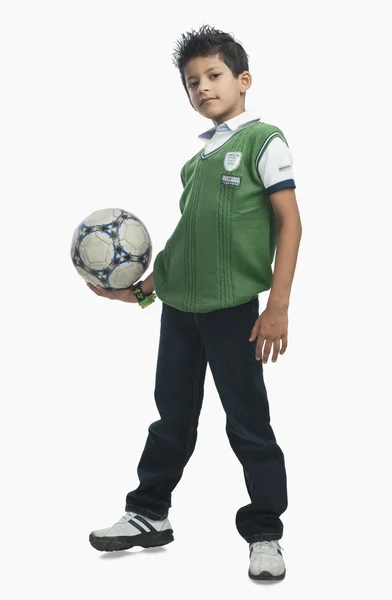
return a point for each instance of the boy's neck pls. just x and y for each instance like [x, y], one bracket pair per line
[231, 115]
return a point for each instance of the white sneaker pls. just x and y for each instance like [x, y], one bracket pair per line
[266, 560]
[132, 530]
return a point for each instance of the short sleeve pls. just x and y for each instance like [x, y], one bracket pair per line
[275, 166]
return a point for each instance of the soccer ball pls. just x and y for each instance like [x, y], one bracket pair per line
[111, 248]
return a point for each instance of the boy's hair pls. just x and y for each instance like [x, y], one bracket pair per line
[209, 41]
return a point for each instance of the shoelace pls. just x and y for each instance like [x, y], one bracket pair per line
[270, 543]
[126, 517]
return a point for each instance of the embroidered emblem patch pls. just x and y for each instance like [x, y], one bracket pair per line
[231, 179]
[232, 160]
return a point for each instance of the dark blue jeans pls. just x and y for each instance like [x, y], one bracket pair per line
[187, 342]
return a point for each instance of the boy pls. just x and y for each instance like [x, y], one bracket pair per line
[238, 206]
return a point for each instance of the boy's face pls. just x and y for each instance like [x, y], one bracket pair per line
[210, 77]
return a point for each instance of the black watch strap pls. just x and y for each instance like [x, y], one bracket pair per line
[142, 299]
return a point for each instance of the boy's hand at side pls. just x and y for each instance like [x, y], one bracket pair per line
[125, 295]
[271, 327]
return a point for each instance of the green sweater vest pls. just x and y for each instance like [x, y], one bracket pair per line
[221, 252]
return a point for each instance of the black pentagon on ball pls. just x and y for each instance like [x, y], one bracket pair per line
[116, 261]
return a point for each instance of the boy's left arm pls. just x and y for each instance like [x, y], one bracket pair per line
[271, 326]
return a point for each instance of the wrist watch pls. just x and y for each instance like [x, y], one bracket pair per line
[142, 299]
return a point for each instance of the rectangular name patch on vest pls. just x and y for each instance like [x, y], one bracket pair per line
[231, 179]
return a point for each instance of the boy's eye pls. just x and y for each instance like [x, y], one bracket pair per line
[213, 75]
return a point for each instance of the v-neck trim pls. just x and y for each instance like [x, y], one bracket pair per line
[204, 156]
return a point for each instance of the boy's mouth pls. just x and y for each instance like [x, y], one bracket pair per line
[204, 100]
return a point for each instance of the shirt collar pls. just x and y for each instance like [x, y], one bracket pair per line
[232, 124]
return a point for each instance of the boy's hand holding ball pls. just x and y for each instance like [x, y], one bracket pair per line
[125, 295]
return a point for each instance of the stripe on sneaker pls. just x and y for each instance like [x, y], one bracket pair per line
[146, 523]
[137, 526]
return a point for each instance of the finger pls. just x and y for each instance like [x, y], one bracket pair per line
[105, 293]
[284, 344]
[259, 346]
[267, 350]
[93, 288]
[254, 332]
[275, 354]
[99, 290]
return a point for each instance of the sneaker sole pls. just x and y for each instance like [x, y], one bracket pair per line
[145, 540]
[266, 575]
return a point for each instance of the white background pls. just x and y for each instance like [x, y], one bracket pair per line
[94, 115]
